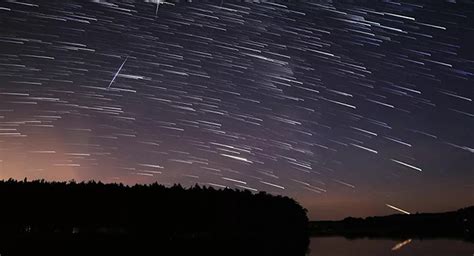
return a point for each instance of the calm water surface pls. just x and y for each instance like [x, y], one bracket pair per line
[338, 246]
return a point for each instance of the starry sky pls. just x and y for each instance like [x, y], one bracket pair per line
[349, 107]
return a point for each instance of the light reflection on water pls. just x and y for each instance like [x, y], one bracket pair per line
[339, 246]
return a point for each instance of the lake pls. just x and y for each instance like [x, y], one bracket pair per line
[339, 246]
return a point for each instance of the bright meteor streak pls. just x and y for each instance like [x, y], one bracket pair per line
[118, 72]
[398, 209]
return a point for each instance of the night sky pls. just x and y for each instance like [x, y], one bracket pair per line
[351, 108]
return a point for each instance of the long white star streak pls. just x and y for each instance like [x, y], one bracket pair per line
[273, 185]
[407, 165]
[234, 180]
[365, 148]
[237, 158]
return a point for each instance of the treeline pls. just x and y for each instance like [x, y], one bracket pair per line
[150, 213]
[456, 224]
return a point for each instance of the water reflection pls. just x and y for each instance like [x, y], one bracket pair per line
[339, 246]
[401, 244]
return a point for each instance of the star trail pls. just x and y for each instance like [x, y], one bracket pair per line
[348, 107]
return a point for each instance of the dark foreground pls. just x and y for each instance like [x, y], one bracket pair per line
[40, 218]
[123, 245]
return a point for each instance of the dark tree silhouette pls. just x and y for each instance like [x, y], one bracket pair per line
[149, 215]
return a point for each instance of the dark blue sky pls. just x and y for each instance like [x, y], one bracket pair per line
[353, 109]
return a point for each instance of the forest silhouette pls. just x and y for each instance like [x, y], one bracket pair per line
[57, 216]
